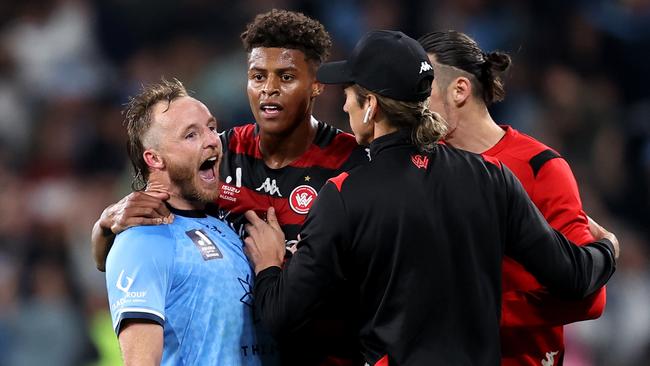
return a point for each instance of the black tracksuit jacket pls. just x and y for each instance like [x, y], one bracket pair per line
[421, 238]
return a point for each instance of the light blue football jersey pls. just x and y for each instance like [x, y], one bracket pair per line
[193, 278]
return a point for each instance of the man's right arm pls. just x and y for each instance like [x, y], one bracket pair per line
[138, 208]
[141, 344]
[138, 279]
[565, 268]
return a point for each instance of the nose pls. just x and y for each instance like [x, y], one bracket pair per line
[271, 86]
[212, 140]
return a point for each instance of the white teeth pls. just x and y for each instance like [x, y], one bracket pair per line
[212, 158]
[272, 107]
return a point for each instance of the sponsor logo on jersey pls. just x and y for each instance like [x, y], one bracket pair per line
[301, 199]
[124, 284]
[229, 189]
[269, 186]
[206, 246]
[420, 161]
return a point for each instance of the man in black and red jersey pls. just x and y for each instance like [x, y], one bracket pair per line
[467, 81]
[282, 161]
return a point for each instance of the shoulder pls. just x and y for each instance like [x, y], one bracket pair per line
[451, 155]
[525, 155]
[330, 137]
[335, 149]
[524, 147]
[240, 138]
[158, 232]
[146, 240]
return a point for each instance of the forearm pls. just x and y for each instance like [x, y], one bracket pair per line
[141, 344]
[568, 270]
[101, 241]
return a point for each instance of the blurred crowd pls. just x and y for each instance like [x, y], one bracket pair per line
[579, 82]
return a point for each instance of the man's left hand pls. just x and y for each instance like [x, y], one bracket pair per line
[265, 244]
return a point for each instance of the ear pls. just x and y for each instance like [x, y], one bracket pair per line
[316, 89]
[461, 90]
[372, 104]
[153, 159]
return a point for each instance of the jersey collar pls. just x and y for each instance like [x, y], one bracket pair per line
[401, 137]
[188, 213]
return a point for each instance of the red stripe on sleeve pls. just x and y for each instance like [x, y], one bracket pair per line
[338, 180]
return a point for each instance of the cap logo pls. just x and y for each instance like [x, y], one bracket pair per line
[424, 66]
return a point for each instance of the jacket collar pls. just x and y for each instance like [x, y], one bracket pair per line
[399, 138]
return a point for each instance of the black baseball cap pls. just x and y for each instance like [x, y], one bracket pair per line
[388, 63]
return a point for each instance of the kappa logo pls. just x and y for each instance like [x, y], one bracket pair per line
[269, 186]
[425, 66]
[420, 161]
[550, 359]
[301, 199]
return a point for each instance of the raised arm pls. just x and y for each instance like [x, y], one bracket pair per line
[138, 208]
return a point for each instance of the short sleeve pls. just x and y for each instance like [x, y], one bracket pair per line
[138, 271]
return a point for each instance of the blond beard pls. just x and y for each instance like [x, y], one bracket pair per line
[185, 179]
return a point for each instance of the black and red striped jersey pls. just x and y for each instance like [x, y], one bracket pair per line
[247, 183]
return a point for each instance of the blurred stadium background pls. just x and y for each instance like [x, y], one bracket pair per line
[579, 83]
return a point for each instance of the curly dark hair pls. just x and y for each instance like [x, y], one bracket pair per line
[288, 29]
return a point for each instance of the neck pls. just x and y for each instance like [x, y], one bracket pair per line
[382, 128]
[159, 181]
[280, 150]
[178, 202]
[473, 129]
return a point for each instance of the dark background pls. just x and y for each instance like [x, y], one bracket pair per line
[579, 83]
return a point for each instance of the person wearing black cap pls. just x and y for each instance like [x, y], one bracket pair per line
[421, 230]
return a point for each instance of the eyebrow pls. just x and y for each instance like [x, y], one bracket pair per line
[196, 125]
[280, 70]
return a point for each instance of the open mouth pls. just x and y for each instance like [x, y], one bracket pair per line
[207, 170]
[270, 109]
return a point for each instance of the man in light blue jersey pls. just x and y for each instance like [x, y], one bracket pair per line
[187, 299]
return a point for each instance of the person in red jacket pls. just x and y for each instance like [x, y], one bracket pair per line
[467, 82]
